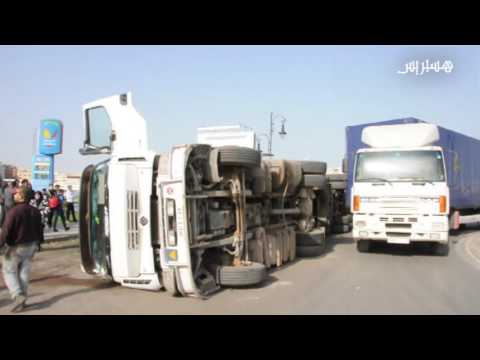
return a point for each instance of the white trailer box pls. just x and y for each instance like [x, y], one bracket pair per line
[217, 136]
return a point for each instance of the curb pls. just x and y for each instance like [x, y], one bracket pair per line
[62, 237]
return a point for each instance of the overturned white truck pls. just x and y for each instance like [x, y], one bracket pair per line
[196, 218]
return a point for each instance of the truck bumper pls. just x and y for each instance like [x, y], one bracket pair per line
[400, 229]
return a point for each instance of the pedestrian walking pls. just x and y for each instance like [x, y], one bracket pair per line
[56, 208]
[21, 235]
[69, 197]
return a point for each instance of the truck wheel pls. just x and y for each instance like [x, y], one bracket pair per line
[442, 249]
[317, 181]
[314, 167]
[310, 251]
[313, 238]
[169, 282]
[363, 246]
[244, 275]
[238, 156]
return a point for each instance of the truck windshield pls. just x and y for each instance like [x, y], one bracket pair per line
[419, 165]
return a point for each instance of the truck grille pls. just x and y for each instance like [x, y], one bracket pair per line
[132, 220]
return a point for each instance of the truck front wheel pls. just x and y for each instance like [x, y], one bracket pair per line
[363, 246]
[243, 275]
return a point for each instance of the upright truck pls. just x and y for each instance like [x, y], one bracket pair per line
[195, 218]
[410, 182]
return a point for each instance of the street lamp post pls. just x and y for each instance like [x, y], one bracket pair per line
[282, 132]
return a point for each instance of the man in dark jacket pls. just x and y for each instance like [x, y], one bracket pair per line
[22, 235]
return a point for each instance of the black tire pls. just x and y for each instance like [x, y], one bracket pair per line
[317, 181]
[313, 238]
[363, 246]
[314, 167]
[246, 275]
[347, 219]
[170, 283]
[338, 185]
[310, 251]
[238, 156]
[441, 249]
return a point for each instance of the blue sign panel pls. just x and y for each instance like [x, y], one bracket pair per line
[42, 172]
[50, 137]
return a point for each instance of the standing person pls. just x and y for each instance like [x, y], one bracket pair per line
[56, 206]
[22, 235]
[69, 197]
[52, 204]
[30, 193]
[39, 203]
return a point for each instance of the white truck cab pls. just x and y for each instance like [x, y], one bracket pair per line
[400, 193]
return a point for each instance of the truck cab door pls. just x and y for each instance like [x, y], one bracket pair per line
[114, 127]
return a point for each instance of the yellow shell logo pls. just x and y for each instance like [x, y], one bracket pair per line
[46, 134]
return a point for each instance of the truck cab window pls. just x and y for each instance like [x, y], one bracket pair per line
[400, 166]
[99, 128]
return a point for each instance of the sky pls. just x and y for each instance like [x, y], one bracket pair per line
[319, 90]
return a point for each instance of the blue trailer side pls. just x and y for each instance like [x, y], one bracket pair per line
[354, 142]
[462, 160]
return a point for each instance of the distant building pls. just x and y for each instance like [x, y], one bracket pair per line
[8, 171]
[65, 180]
[62, 179]
[23, 173]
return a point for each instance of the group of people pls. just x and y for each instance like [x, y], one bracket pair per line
[23, 215]
[53, 203]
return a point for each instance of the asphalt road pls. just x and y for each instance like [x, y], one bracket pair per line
[389, 280]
